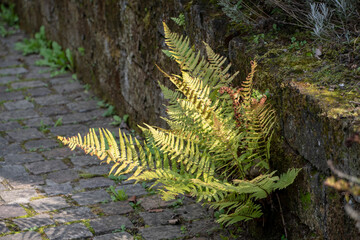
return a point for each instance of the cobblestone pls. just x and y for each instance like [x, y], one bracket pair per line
[49, 204]
[46, 166]
[107, 224]
[31, 222]
[73, 231]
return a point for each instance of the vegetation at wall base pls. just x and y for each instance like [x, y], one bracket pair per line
[218, 145]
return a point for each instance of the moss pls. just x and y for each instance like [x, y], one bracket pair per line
[305, 200]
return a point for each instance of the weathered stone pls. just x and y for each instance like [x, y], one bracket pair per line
[58, 189]
[68, 88]
[133, 190]
[115, 236]
[97, 170]
[91, 197]
[51, 100]
[36, 221]
[85, 160]
[157, 218]
[63, 176]
[28, 84]
[203, 227]
[24, 235]
[26, 181]
[12, 171]
[9, 126]
[11, 96]
[161, 232]
[23, 158]
[58, 153]
[49, 204]
[2, 187]
[12, 71]
[154, 202]
[11, 149]
[8, 79]
[18, 114]
[38, 73]
[94, 183]
[22, 104]
[37, 92]
[38, 122]
[25, 134]
[11, 210]
[107, 224]
[61, 80]
[73, 231]
[18, 196]
[192, 212]
[3, 228]
[53, 110]
[69, 130]
[46, 166]
[116, 208]
[83, 106]
[41, 144]
[80, 117]
[73, 214]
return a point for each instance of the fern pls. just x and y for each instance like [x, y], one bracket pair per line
[217, 147]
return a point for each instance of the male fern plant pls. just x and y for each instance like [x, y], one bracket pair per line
[217, 147]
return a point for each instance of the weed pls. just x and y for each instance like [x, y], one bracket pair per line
[81, 50]
[119, 195]
[43, 127]
[87, 87]
[8, 18]
[122, 229]
[87, 175]
[179, 20]
[118, 120]
[33, 45]
[178, 202]
[110, 111]
[135, 205]
[296, 44]
[218, 213]
[183, 229]
[58, 122]
[117, 179]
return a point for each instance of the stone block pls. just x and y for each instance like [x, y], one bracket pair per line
[25, 134]
[63, 176]
[18, 196]
[98, 170]
[37, 122]
[36, 221]
[49, 204]
[3, 228]
[22, 104]
[26, 181]
[73, 231]
[38, 91]
[69, 130]
[22, 236]
[81, 117]
[46, 166]
[73, 214]
[154, 202]
[51, 100]
[111, 223]
[58, 153]
[85, 160]
[11, 210]
[55, 110]
[91, 197]
[83, 106]
[116, 208]
[96, 182]
[133, 189]
[18, 114]
[8, 79]
[9, 126]
[28, 84]
[41, 144]
[192, 212]
[115, 236]
[13, 71]
[58, 189]
[157, 218]
[161, 232]
[19, 158]
[68, 88]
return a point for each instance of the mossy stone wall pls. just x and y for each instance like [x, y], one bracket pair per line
[123, 41]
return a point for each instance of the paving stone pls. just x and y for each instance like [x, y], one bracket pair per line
[157, 218]
[28, 84]
[192, 212]
[25, 134]
[3, 141]
[49, 204]
[58, 153]
[80, 117]
[154, 202]
[53, 110]
[2, 187]
[46, 166]
[12, 171]
[11, 96]
[58, 189]
[11, 149]
[9, 126]
[203, 227]
[18, 114]
[91, 197]
[63, 176]
[61, 80]
[26, 181]
[36, 221]
[95, 182]
[3, 228]
[10, 63]
[11, 210]
[161, 232]
[85, 160]
[69, 130]
[37, 122]
[73, 214]
[80, 96]
[22, 104]
[8, 79]
[83, 106]
[97, 170]
[68, 88]
[73, 231]
[41, 144]
[38, 73]
[51, 100]
[19, 158]
[107, 224]
[116, 208]
[13, 71]
[38, 92]
[18, 196]
[133, 190]
[22, 236]
[115, 236]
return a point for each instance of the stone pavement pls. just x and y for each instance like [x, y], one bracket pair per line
[49, 192]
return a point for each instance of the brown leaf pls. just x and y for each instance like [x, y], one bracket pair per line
[132, 199]
[174, 221]
[156, 210]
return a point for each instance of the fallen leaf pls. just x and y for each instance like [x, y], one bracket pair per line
[174, 221]
[132, 199]
[156, 210]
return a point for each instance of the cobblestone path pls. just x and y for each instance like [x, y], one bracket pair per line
[49, 192]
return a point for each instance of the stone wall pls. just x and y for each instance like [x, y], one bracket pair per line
[123, 41]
